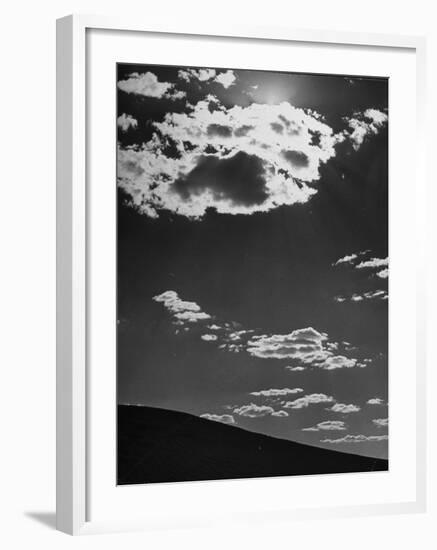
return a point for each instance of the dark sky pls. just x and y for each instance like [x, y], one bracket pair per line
[238, 194]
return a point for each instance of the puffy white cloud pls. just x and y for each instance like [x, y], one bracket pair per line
[305, 345]
[328, 425]
[383, 274]
[311, 399]
[302, 344]
[254, 411]
[224, 418]
[344, 408]
[181, 310]
[209, 337]
[376, 401]
[363, 125]
[338, 362]
[236, 163]
[226, 79]
[381, 422]
[373, 262]
[202, 75]
[295, 369]
[125, 122]
[277, 392]
[148, 85]
[356, 439]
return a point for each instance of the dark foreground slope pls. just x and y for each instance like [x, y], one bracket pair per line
[157, 445]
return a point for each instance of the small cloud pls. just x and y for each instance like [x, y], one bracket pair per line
[331, 425]
[295, 369]
[350, 258]
[383, 274]
[182, 310]
[338, 362]
[381, 422]
[203, 75]
[344, 409]
[311, 399]
[371, 295]
[356, 439]
[224, 418]
[376, 401]
[254, 411]
[373, 262]
[363, 125]
[209, 337]
[148, 85]
[125, 122]
[226, 79]
[277, 392]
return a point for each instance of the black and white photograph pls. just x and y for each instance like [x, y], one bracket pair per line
[252, 273]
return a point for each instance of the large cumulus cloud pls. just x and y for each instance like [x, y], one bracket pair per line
[269, 151]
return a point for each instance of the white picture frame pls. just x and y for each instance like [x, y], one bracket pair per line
[73, 472]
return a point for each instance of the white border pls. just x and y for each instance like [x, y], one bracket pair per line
[72, 305]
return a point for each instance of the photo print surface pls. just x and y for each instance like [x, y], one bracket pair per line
[252, 274]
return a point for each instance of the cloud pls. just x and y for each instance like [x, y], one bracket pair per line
[203, 75]
[277, 392]
[334, 425]
[125, 122]
[338, 362]
[363, 125]
[305, 345]
[376, 401]
[226, 79]
[356, 439]
[281, 414]
[209, 337]
[254, 411]
[148, 85]
[373, 262]
[266, 169]
[311, 399]
[381, 422]
[344, 409]
[346, 259]
[181, 310]
[350, 258]
[371, 295]
[224, 418]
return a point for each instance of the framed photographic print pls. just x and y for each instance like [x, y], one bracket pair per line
[240, 275]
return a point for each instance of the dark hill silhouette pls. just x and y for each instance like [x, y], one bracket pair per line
[157, 445]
